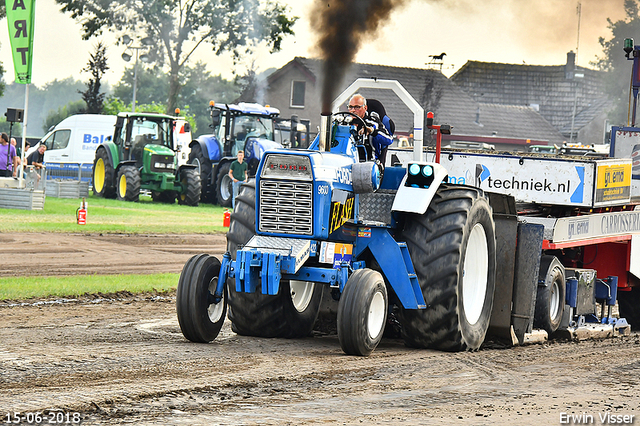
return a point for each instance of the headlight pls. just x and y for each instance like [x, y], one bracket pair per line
[160, 165]
[419, 176]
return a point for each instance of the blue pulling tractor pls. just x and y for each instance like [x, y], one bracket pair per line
[378, 237]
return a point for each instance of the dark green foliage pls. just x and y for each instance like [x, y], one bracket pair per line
[199, 87]
[16, 130]
[616, 64]
[97, 66]
[226, 25]
[56, 116]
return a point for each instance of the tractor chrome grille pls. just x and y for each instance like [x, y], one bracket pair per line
[286, 207]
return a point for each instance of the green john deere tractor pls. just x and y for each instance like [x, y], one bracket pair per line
[142, 156]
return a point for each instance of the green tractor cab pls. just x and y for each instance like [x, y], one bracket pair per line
[142, 156]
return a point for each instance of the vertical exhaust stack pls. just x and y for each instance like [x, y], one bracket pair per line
[325, 132]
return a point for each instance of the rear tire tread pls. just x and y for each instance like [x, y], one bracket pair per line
[435, 241]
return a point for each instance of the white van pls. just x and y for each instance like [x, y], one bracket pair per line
[71, 145]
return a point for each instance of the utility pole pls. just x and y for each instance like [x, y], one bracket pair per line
[575, 74]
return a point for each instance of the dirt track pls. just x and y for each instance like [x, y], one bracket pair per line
[70, 254]
[123, 360]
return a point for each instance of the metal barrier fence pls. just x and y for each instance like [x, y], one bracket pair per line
[70, 171]
[35, 179]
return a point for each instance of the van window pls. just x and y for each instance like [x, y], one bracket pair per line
[58, 139]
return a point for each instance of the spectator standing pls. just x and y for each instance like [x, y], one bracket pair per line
[14, 144]
[8, 157]
[238, 172]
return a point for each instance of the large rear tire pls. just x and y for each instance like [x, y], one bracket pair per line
[103, 175]
[224, 186]
[362, 312]
[629, 306]
[550, 298]
[196, 157]
[128, 184]
[191, 187]
[292, 312]
[200, 318]
[453, 250]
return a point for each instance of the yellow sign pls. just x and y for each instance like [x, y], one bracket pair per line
[613, 182]
[340, 213]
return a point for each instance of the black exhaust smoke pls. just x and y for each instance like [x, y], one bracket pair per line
[341, 28]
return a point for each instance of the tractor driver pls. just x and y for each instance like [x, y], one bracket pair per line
[380, 138]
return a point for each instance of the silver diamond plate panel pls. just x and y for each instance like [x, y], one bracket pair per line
[297, 248]
[376, 207]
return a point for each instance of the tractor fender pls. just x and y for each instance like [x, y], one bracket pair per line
[210, 147]
[184, 167]
[256, 147]
[223, 161]
[124, 163]
[112, 153]
[419, 186]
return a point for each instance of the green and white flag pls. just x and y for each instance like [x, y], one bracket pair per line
[20, 17]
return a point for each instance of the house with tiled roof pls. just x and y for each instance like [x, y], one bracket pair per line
[295, 89]
[570, 97]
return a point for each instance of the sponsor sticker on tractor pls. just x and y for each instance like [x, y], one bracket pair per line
[335, 253]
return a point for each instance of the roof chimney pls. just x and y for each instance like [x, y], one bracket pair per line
[571, 64]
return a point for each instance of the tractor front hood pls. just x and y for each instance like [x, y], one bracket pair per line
[158, 150]
[256, 147]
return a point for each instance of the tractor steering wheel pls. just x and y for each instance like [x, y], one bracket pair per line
[347, 114]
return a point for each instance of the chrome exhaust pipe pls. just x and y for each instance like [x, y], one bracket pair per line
[325, 132]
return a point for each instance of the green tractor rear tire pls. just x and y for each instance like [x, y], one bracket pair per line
[128, 184]
[191, 187]
[289, 314]
[453, 250]
[103, 184]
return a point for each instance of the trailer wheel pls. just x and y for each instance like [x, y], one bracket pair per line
[224, 186]
[200, 318]
[203, 165]
[362, 312]
[191, 187]
[550, 298]
[453, 250]
[128, 184]
[102, 178]
[629, 306]
[292, 312]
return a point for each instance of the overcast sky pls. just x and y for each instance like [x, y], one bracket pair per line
[536, 32]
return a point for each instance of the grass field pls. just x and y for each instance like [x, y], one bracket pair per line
[113, 216]
[40, 287]
[104, 216]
